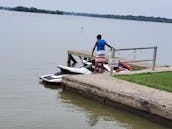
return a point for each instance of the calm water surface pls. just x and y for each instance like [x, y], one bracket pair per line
[34, 44]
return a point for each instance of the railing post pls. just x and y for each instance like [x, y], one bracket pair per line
[112, 56]
[154, 58]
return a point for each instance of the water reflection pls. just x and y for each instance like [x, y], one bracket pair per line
[51, 86]
[97, 112]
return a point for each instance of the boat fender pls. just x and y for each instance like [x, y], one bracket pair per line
[125, 65]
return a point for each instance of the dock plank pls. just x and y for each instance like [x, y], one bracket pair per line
[84, 54]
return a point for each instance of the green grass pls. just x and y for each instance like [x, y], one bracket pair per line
[135, 67]
[161, 80]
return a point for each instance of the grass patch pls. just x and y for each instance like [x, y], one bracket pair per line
[161, 80]
[135, 67]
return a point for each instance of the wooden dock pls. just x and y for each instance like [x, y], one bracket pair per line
[86, 55]
[82, 54]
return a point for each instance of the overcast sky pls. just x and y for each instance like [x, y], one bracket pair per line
[162, 8]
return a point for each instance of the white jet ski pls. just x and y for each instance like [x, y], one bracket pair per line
[73, 70]
[57, 77]
[52, 78]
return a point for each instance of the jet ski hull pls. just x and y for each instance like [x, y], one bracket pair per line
[57, 78]
[51, 79]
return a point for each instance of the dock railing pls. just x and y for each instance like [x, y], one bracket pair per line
[113, 56]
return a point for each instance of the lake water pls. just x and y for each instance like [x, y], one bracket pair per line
[34, 44]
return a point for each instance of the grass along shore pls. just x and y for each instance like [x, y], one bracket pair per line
[159, 80]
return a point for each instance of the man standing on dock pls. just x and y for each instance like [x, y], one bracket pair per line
[100, 43]
[100, 54]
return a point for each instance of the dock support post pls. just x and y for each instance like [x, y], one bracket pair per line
[154, 58]
[70, 58]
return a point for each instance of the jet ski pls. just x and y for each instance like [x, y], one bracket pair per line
[73, 70]
[52, 78]
[87, 68]
[122, 67]
[57, 77]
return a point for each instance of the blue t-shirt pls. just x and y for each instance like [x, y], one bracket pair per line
[101, 45]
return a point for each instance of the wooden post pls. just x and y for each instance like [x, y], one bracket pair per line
[70, 58]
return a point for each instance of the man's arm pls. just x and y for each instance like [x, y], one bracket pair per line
[93, 49]
[109, 45]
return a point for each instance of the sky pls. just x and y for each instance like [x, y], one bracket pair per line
[156, 8]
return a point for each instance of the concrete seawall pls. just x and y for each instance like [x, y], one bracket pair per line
[148, 100]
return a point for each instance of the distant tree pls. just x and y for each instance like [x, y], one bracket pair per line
[35, 10]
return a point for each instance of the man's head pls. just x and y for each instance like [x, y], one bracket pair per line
[99, 36]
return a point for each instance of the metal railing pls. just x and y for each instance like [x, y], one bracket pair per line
[134, 49]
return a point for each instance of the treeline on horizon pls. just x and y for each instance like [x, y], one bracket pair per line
[124, 17]
[32, 9]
